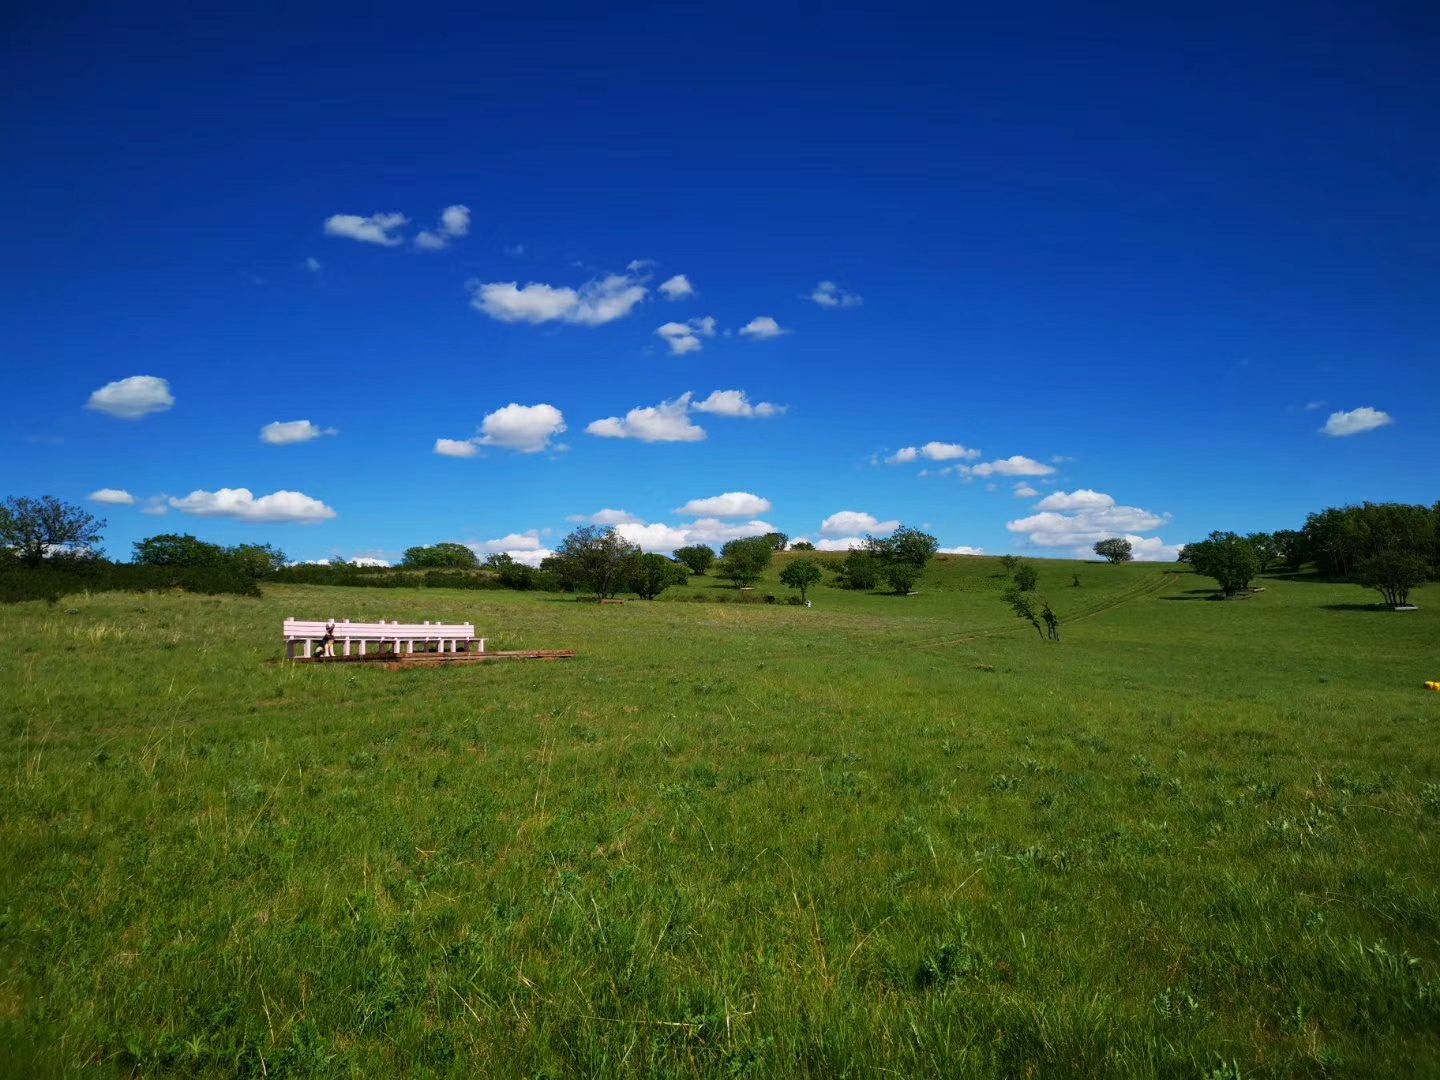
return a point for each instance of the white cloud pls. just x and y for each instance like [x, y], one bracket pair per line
[667, 422]
[454, 223]
[132, 398]
[1080, 499]
[156, 506]
[113, 497]
[828, 294]
[1082, 527]
[526, 429]
[734, 403]
[462, 448]
[961, 549]
[730, 504]
[279, 506]
[660, 537]
[684, 337]
[314, 265]
[283, 433]
[1023, 490]
[523, 547]
[1016, 465]
[598, 301]
[761, 328]
[605, 517]
[846, 522]
[904, 455]
[843, 543]
[379, 229]
[933, 451]
[677, 287]
[366, 560]
[1148, 549]
[1355, 422]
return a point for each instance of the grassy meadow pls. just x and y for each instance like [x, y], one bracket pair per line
[896, 836]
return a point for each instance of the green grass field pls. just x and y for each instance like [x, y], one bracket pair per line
[885, 836]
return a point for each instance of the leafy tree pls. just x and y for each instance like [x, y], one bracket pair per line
[860, 571]
[1023, 606]
[778, 541]
[446, 556]
[902, 577]
[902, 556]
[1227, 557]
[802, 545]
[1389, 546]
[1026, 577]
[743, 561]
[1266, 549]
[652, 574]
[177, 549]
[1114, 550]
[1393, 572]
[1009, 562]
[1290, 544]
[801, 574]
[256, 560]
[1326, 541]
[509, 573]
[35, 529]
[698, 557]
[1183, 555]
[597, 558]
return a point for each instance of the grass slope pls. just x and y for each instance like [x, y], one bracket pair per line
[886, 834]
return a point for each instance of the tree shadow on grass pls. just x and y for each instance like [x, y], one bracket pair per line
[1358, 607]
[1196, 594]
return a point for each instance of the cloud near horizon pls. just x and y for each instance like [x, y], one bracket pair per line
[844, 523]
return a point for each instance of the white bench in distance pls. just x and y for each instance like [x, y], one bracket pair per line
[400, 636]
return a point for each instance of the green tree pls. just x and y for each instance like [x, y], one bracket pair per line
[509, 573]
[256, 560]
[744, 561]
[652, 574]
[860, 572]
[1266, 549]
[778, 541]
[1290, 543]
[801, 574]
[1026, 577]
[698, 557]
[1023, 605]
[1389, 547]
[177, 549]
[1228, 558]
[36, 529]
[902, 577]
[1114, 550]
[1009, 562]
[597, 558]
[446, 556]
[802, 545]
[902, 556]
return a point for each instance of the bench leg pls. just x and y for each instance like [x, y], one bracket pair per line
[289, 650]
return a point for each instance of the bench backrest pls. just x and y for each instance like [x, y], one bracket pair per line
[302, 629]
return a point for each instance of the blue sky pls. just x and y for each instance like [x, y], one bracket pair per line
[1093, 272]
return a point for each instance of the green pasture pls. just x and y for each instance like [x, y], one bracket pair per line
[885, 836]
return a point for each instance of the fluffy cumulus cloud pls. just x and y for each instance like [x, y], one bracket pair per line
[1015, 465]
[382, 229]
[239, 503]
[961, 549]
[285, 432]
[1080, 499]
[461, 448]
[734, 403]
[1355, 422]
[454, 223]
[605, 517]
[526, 429]
[684, 337]
[1089, 518]
[711, 530]
[667, 422]
[112, 497]
[1024, 490]
[368, 560]
[677, 287]
[132, 398]
[829, 295]
[523, 547]
[730, 504]
[845, 523]
[598, 301]
[762, 328]
[933, 451]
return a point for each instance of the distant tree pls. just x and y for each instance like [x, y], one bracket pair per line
[802, 545]
[1326, 541]
[1183, 555]
[743, 561]
[698, 557]
[801, 574]
[1227, 557]
[777, 540]
[1266, 549]
[446, 556]
[256, 560]
[1026, 577]
[1052, 622]
[860, 571]
[1023, 606]
[652, 574]
[35, 529]
[509, 573]
[1114, 550]
[177, 549]
[598, 558]
[1290, 544]
[902, 556]
[1393, 573]
[1390, 547]
[1009, 562]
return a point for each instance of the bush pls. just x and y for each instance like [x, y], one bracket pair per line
[1228, 558]
[1026, 577]
[62, 577]
[860, 571]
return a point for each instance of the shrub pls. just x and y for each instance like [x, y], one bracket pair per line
[1228, 558]
[1026, 577]
[860, 571]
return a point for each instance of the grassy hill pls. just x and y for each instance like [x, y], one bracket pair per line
[888, 833]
